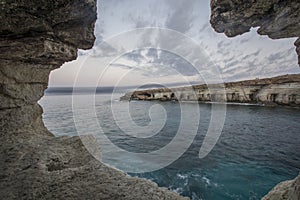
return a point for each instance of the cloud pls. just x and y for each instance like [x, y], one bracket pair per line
[280, 56]
[181, 18]
[103, 49]
[254, 54]
[238, 58]
[153, 62]
[123, 66]
[223, 44]
[204, 27]
[245, 40]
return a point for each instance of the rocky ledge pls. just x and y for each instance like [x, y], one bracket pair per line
[36, 37]
[275, 18]
[287, 190]
[281, 90]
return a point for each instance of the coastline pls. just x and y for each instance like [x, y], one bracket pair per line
[276, 91]
[37, 165]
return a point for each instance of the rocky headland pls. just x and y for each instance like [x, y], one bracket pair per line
[36, 37]
[281, 90]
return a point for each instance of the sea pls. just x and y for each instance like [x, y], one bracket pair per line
[258, 146]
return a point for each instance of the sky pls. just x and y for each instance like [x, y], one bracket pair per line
[243, 57]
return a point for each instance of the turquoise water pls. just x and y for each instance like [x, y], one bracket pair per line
[259, 146]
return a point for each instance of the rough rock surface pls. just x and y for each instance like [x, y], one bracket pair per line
[287, 190]
[36, 37]
[276, 18]
[281, 90]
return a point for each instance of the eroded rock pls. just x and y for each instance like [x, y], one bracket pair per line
[275, 18]
[281, 90]
[36, 37]
[287, 190]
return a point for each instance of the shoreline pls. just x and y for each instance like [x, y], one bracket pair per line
[276, 91]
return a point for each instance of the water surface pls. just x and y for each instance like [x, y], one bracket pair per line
[259, 146]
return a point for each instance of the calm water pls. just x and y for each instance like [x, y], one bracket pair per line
[259, 146]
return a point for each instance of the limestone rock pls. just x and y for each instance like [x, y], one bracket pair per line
[44, 167]
[287, 190]
[69, 22]
[277, 19]
[36, 37]
[281, 90]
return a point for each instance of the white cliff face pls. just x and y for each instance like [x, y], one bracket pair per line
[283, 90]
[284, 94]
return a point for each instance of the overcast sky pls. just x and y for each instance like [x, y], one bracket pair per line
[243, 57]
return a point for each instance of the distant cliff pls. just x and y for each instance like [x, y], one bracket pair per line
[281, 90]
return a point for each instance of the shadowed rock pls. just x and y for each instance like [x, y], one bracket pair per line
[36, 37]
[275, 18]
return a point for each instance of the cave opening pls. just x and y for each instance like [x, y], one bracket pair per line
[273, 97]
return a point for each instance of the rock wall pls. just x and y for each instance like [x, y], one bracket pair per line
[276, 18]
[282, 90]
[287, 190]
[36, 37]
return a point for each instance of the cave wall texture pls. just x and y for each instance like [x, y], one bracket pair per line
[275, 18]
[38, 36]
[35, 38]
